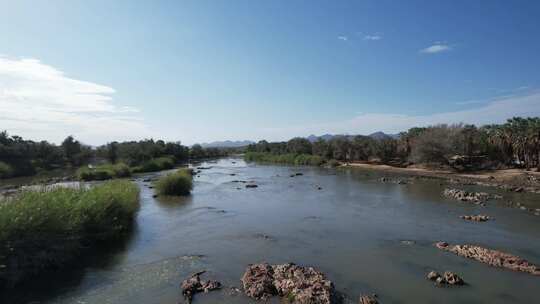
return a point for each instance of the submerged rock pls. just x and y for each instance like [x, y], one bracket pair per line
[476, 218]
[448, 278]
[491, 257]
[193, 285]
[304, 285]
[251, 186]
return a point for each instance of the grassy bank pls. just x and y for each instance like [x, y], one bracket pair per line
[289, 158]
[47, 229]
[177, 183]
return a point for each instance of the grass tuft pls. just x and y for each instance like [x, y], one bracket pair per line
[177, 183]
[155, 164]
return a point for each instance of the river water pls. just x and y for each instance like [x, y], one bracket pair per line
[367, 236]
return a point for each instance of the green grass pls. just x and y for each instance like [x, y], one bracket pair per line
[177, 183]
[5, 170]
[156, 164]
[46, 229]
[103, 172]
[289, 158]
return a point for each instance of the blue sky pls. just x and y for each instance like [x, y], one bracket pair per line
[199, 71]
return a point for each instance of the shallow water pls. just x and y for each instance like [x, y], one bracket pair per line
[367, 236]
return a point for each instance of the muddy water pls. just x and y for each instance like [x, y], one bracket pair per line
[367, 236]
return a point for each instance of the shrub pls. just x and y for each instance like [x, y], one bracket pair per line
[46, 229]
[155, 164]
[5, 170]
[177, 183]
[103, 172]
[288, 158]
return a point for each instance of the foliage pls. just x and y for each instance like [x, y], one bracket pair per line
[5, 170]
[289, 158]
[48, 228]
[515, 143]
[103, 172]
[177, 183]
[156, 164]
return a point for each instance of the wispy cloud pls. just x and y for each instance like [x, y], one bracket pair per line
[374, 37]
[39, 101]
[438, 47]
[344, 38]
[495, 111]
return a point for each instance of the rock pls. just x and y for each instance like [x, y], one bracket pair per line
[258, 281]
[465, 196]
[155, 195]
[476, 218]
[203, 168]
[451, 278]
[402, 182]
[433, 275]
[296, 174]
[303, 285]
[251, 186]
[448, 278]
[491, 257]
[319, 188]
[368, 299]
[193, 285]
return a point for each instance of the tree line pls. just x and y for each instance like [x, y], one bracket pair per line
[515, 143]
[22, 157]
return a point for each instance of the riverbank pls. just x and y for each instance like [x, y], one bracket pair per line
[47, 229]
[517, 180]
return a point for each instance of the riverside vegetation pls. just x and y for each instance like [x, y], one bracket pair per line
[21, 157]
[46, 229]
[514, 144]
[176, 183]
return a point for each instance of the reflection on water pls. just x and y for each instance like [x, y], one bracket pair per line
[368, 236]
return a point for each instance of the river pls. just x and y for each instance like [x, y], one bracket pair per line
[366, 235]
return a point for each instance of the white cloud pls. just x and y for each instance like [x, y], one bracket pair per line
[40, 102]
[373, 37]
[344, 38]
[436, 48]
[495, 111]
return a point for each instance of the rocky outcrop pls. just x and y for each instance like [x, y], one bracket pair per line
[465, 196]
[193, 285]
[476, 218]
[448, 278]
[304, 285]
[491, 257]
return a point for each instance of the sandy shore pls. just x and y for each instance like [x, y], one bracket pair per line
[510, 179]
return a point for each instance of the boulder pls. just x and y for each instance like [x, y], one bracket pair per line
[304, 285]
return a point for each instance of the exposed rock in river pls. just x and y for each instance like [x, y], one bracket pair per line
[304, 285]
[193, 285]
[476, 218]
[448, 278]
[491, 257]
[465, 196]
[368, 299]
[251, 186]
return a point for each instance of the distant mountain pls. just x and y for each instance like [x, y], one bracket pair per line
[227, 144]
[377, 135]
